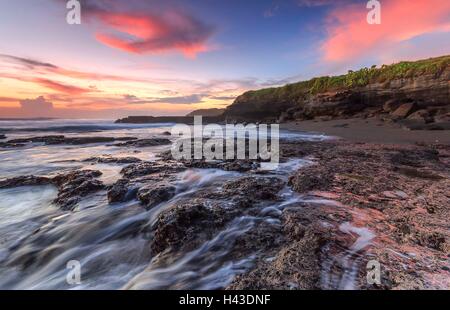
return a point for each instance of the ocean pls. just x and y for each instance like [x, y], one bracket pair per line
[38, 239]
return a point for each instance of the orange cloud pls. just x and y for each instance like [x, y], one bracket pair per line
[151, 33]
[350, 36]
[60, 87]
[32, 65]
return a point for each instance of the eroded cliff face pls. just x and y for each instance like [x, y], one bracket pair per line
[417, 100]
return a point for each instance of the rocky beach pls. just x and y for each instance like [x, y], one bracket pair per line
[363, 179]
[137, 219]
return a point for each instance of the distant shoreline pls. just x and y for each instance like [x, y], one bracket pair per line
[28, 119]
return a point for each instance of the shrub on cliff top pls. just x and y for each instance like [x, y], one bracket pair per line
[296, 92]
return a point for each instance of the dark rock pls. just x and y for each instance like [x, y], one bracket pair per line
[56, 140]
[297, 265]
[154, 194]
[391, 105]
[255, 188]
[311, 178]
[421, 116]
[146, 168]
[25, 181]
[187, 225]
[8, 145]
[434, 240]
[166, 133]
[75, 185]
[404, 110]
[92, 140]
[146, 142]
[122, 191]
[231, 165]
[42, 139]
[2, 137]
[113, 160]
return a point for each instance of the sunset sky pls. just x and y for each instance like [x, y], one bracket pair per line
[147, 57]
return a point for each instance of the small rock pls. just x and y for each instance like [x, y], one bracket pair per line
[421, 116]
[154, 194]
[75, 185]
[122, 191]
[395, 194]
[30, 180]
[188, 224]
[404, 110]
[113, 160]
[391, 105]
[146, 168]
[146, 142]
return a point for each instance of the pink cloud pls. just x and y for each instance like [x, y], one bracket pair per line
[350, 36]
[151, 33]
[60, 87]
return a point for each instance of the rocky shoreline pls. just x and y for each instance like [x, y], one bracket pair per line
[312, 227]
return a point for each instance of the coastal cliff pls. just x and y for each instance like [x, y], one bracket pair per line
[414, 92]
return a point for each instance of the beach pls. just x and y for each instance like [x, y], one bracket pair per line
[372, 130]
[111, 197]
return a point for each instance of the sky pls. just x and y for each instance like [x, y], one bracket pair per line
[148, 57]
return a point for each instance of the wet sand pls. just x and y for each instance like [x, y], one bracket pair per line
[371, 131]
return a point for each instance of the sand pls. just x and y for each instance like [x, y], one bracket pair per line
[370, 130]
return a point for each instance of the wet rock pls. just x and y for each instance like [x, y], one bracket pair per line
[75, 185]
[92, 140]
[255, 188]
[154, 194]
[25, 181]
[231, 165]
[145, 142]
[166, 133]
[42, 139]
[188, 225]
[240, 165]
[2, 137]
[316, 178]
[434, 240]
[146, 168]
[113, 160]
[8, 145]
[296, 266]
[58, 139]
[122, 191]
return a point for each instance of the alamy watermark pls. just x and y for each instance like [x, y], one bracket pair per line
[73, 16]
[73, 276]
[373, 269]
[231, 141]
[374, 15]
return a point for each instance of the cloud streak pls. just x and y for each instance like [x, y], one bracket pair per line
[44, 67]
[350, 36]
[148, 30]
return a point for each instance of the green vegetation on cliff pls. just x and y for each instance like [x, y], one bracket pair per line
[297, 92]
